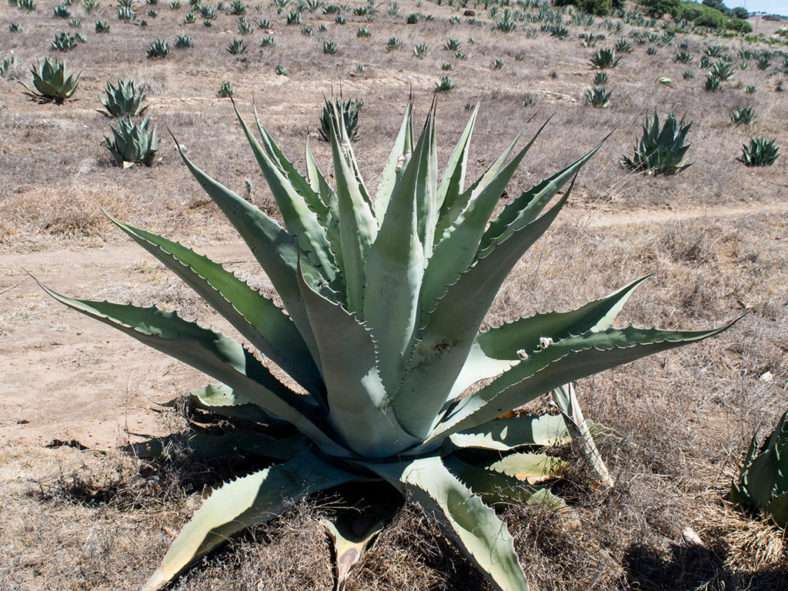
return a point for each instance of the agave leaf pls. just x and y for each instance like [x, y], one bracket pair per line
[395, 165]
[349, 549]
[777, 509]
[301, 185]
[299, 216]
[453, 179]
[204, 446]
[394, 270]
[457, 246]
[446, 340]
[560, 363]
[498, 349]
[504, 342]
[357, 225]
[450, 213]
[352, 532]
[530, 467]
[242, 503]
[256, 317]
[507, 434]
[497, 488]
[213, 353]
[272, 246]
[427, 208]
[529, 204]
[566, 400]
[223, 401]
[358, 403]
[474, 525]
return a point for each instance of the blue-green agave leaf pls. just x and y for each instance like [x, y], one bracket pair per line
[256, 317]
[358, 403]
[395, 165]
[465, 517]
[242, 503]
[557, 364]
[509, 433]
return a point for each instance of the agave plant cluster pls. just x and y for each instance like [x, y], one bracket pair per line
[349, 109]
[762, 484]
[133, 141]
[383, 303]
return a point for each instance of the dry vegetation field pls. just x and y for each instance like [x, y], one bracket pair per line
[78, 513]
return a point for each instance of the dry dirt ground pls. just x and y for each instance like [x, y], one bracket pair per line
[75, 513]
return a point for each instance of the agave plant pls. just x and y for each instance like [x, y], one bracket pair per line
[605, 58]
[622, 46]
[598, 96]
[452, 44]
[445, 84]
[330, 47]
[52, 81]
[244, 26]
[61, 11]
[712, 84]
[7, 66]
[384, 300]
[236, 47]
[123, 100]
[183, 42]
[743, 116]
[661, 149]
[159, 48]
[133, 142]
[723, 70]
[421, 50]
[225, 90]
[102, 26]
[126, 13]
[760, 152]
[683, 57]
[29, 5]
[393, 44]
[267, 41]
[63, 41]
[762, 485]
[600, 78]
[349, 109]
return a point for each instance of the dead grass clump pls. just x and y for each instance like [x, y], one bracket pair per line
[64, 213]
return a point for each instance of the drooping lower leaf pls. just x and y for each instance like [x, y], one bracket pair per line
[474, 525]
[242, 503]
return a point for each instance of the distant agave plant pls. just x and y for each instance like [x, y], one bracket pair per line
[759, 152]
[349, 109]
[158, 49]
[132, 142]
[123, 100]
[605, 58]
[743, 116]
[762, 484]
[384, 301]
[598, 96]
[661, 149]
[52, 81]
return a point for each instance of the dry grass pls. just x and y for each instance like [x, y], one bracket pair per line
[713, 237]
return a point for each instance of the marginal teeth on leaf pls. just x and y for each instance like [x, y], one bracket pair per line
[521, 354]
[545, 342]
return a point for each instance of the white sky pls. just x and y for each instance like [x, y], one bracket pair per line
[771, 6]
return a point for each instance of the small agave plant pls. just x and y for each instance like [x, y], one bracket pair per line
[383, 303]
[52, 81]
[133, 142]
[661, 149]
[762, 484]
[123, 100]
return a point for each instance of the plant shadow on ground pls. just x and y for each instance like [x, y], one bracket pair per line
[691, 567]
